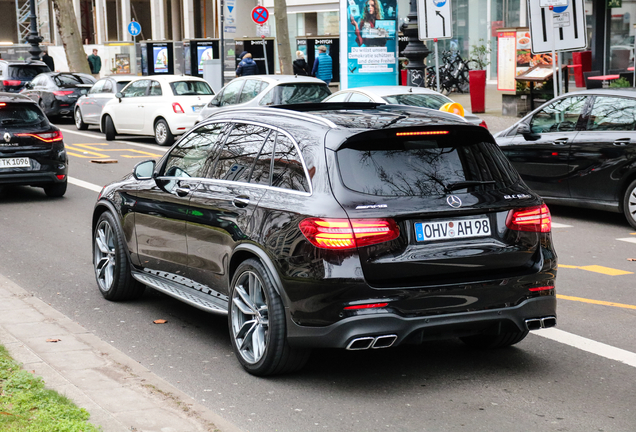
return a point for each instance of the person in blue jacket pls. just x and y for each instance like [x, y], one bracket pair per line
[323, 65]
[247, 66]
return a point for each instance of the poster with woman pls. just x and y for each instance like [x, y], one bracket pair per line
[369, 50]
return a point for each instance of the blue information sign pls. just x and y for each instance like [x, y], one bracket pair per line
[134, 28]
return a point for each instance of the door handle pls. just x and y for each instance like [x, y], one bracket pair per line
[140, 106]
[560, 141]
[241, 202]
[622, 142]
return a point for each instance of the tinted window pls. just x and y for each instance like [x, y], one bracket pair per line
[251, 89]
[421, 168]
[194, 154]
[136, 88]
[239, 152]
[190, 88]
[295, 93]
[20, 115]
[612, 114]
[357, 97]
[121, 85]
[71, 80]
[432, 101]
[560, 116]
[230, 92]
[288, 167]
[263, 165]
[155, 88]
[26, 72]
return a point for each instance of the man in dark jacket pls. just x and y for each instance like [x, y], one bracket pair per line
[95, 63]
[46, 58]
[300, 65]
[247, 66]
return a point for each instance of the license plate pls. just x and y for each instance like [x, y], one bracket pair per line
[15, 162]
[197, 108]
[452, 229]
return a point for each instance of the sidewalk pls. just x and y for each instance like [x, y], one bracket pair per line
[494, 119]
[119, 393]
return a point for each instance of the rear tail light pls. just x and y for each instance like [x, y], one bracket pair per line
[48, 137]
[366, 306]
[347, 234]
[531, 219]
[11, 83]
[177, 108]
[61, 176]
[62, 92]
[483, 124]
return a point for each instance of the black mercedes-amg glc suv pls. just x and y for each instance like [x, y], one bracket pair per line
[356, 226]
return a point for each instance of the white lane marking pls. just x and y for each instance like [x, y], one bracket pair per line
[146, 146]
[85, 185]
[589, 345]
[628, 239]
[558, 225]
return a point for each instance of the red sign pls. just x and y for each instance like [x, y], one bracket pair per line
[260, 15]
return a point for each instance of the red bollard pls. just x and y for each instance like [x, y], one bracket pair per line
[477, 81]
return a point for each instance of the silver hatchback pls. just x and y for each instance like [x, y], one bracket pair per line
[88, 109]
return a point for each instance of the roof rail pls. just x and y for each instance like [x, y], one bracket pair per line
[281, 112]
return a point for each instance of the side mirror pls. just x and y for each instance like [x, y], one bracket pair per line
[524, 129]
[118, 95]
[144, 170]
[214, 103]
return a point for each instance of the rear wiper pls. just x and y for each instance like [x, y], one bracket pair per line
[467, 183]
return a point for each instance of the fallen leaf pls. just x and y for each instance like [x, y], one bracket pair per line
[160, 321]
[631, 259]
[5, 413]
[53, 340]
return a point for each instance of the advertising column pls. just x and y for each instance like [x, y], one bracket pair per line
[368, 43]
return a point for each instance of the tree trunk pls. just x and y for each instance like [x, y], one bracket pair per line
[71, 36]
[282, 36]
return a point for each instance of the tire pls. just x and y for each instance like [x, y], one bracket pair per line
[629, 204]
[501, 340]
[56, 190]
[109, 129]
[163, 136]
[256, 318]
[79, 121]
[110, 261]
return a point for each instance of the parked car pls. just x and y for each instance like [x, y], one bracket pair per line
[579, 150]
[14, 74]
[32, 150]
[161, 106]
[57, 92]
[356, 228]
[400, 95]
[263, 90]
[88, 108]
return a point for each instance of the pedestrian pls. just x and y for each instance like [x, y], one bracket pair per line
[95, 63]
[247, 66]
[300, 65]
[46, 58]
[323, 65]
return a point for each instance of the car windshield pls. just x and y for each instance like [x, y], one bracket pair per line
[190, 88]
[121, 85]
[296, 93]
[432, 101]
[14, 115]
[69, 80]
[431, 167]
[27, 72]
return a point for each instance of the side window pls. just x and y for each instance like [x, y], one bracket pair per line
[251, 89]
[263, 165]
[268, 99]
[239, 152]
[340, 98]
[612, 114]
[288, 167]
[136, 89]
[36, 81]
[560, 116]
[155, 88]
[194, 154]
[108, 87]
[98, 87]
[230, 92]
[357, 97]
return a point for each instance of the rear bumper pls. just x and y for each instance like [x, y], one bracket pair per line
[181, 123]
[30, 178]
[418, 329]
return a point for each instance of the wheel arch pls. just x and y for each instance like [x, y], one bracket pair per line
[627, 180]
[246, 251]
[102, 207]
[103, 119]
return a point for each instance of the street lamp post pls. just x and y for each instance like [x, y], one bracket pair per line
[416, 51]
[34, 38]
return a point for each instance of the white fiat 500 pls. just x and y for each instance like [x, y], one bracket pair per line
[160, 106]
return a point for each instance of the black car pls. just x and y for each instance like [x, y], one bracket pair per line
[356, 226]
[57, 92]
[31, 149]
[15, 74]
[579, 150]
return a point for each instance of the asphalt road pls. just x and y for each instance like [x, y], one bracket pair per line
[579, 377]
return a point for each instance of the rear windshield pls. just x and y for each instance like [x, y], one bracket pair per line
[72, 80]
[418, 100]
[422, 167]
[295, 93]
[26, 72]
[190, 88]
[19, 115]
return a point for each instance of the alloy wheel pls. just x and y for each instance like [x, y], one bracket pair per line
[631, 203]
[160, 132]
[250, 317]
[105, 255]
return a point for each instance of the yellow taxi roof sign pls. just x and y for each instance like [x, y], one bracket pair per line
[453, 107]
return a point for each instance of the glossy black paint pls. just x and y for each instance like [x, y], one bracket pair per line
[44, 87]
[201, 229]
[15, 74]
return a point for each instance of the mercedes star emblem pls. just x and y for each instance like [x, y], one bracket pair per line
[454, 201]
[7, 137]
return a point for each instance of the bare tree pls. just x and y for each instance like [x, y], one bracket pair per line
[70, 35]
[282, 35]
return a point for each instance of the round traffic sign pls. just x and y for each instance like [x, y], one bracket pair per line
[134, 28]
[439, 3]
[560, 9]
[260, 15]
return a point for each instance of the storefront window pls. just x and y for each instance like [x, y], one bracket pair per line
[621, 37]
[328, 23]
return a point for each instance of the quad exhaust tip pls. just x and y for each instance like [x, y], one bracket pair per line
[377, 342]
[539, 323]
